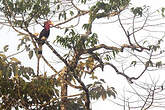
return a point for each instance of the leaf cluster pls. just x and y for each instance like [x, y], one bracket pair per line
[21, 12]
[98, 91]
[19, 87]
[137, 11]
[74, 40]
[103, 9]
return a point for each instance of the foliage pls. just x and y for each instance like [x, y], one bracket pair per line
[18, 84]
[20, 88]
[74, 40]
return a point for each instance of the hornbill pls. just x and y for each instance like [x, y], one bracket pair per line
[44, 34]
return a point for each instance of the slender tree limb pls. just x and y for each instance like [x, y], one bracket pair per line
[126, 32]
[56, 53]
[59, 74]
[101, 46]
[78, 9]
[9, 21]
[134, 31]
[54, 99]
[78, 15]
[120, 73]
[15, 53]
[87, 100]
[146, 67]
[152, 99]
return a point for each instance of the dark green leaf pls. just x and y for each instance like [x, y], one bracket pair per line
[133, 63]
[30, 54]
[26, 76]
[5, 48]
[66, 30]
[71, 13]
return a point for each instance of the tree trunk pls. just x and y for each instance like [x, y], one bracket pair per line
[64, 92]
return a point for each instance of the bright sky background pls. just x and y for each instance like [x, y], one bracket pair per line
[8, 36]
[119, 80]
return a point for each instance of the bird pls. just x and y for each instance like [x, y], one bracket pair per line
[44, 34]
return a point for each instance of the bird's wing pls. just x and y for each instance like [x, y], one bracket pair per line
[44, 33]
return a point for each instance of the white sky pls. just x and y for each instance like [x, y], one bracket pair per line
[8, 36]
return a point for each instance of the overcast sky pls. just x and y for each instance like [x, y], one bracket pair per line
[107, 104]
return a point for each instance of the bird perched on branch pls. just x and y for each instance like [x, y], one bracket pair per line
[44, 34]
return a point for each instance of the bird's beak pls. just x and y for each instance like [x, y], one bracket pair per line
[51, 23]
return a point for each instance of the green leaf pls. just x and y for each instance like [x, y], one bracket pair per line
[108, 58]
[133, 63]
[27, 47]
[71, 13]
[97, 82]
[102, 80]
[114, 55]
[2, 55]
[138, 11]
[163, 10]
[83, 1]
[58, 7]
[1, 73]
[14, 60]
[93, 76]
[30, 54]
[59, 16]
[159, 64]
[149, 63]
[87, 26]
[66, 30]
[144, 42]
[111, 92]
[5, 48]
[18, 47]
[26, 76]
[64, 15]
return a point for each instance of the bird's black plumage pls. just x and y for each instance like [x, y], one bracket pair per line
[43, 36]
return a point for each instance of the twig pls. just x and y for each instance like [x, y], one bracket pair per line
[54, 99]
[15, 53]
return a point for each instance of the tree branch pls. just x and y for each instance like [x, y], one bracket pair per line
[56, 53]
